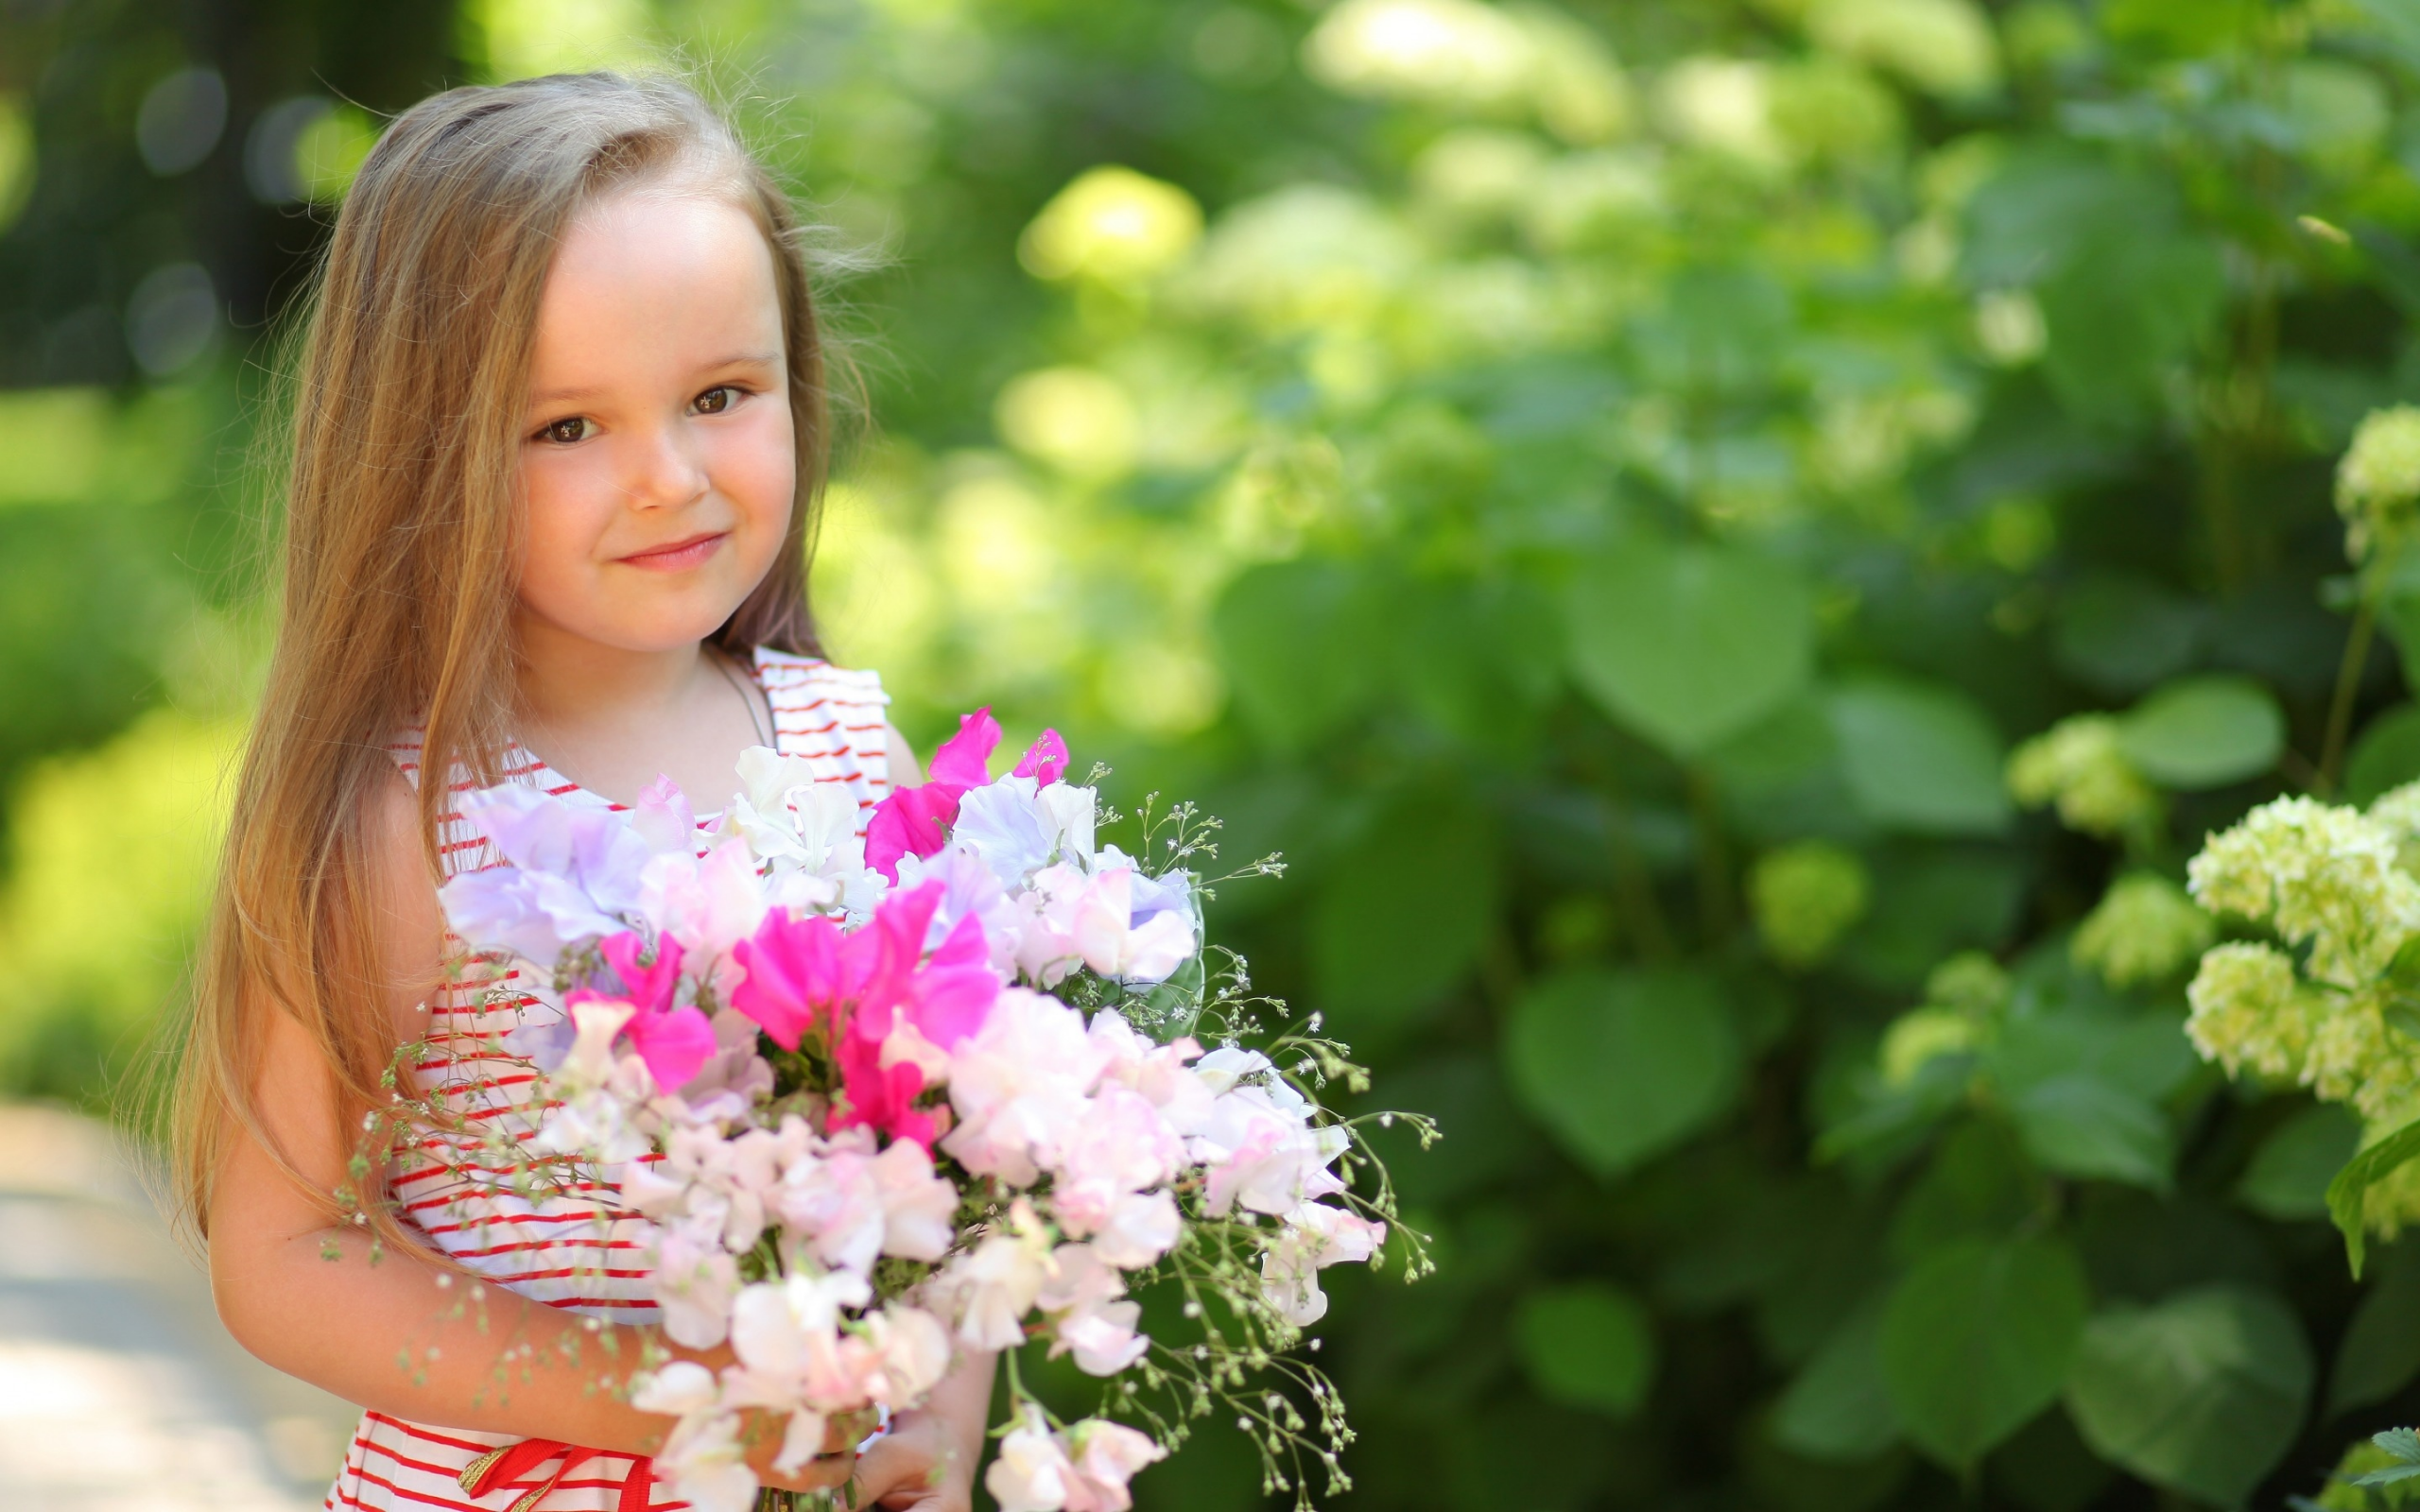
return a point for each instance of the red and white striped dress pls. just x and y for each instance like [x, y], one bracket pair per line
[578, 1249]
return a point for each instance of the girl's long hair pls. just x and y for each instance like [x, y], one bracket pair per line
[401, 531]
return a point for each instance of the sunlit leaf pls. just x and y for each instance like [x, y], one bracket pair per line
[1687, 644]
[2205, 733]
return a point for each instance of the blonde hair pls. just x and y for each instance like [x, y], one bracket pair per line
[400, 532]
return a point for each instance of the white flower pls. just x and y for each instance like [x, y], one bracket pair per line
[919, 1208]
[993, 1286]
[1140, 1229]
[1316, 1236]
[708, 1466]
[695, 1282]
[1032, 1473]
[1019, 1084]
[1262, 1152]
[787, 1334]
[1105, 1457]
[708, 906]
[912, 1350]
[678, 1389]
[1017, 828]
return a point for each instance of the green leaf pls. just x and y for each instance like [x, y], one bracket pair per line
[1587, 1345]
[2403, 1443]
[2201, 1393]
[2084, 1090]
[2380, 1350]
[1295, 640]
[1687, 644]
[1473, 657]
[1839, 1408]
[1920, 758]
[2387, 755]
[2122, 635]
[2353, 1183]
[1622, 1065]
[1977, 1340]
[1402, 915]
[2204, 732]
[2080, 1125]
[2135, 304]
[2289, 1175]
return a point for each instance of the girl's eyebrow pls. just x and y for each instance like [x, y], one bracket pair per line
[745, 359]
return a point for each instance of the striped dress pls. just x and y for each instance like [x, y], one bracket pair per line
[577, 1248]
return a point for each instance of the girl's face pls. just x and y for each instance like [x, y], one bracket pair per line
[657, 459]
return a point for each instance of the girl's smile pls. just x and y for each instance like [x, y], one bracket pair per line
[678, 555]
[658, 434]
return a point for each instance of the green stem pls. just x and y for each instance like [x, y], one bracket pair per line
[2349, 683]
[1714, 871]
[1633, 886]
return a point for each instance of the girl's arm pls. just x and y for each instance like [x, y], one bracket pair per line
[405, 1336]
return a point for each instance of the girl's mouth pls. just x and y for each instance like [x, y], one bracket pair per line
[678, 556]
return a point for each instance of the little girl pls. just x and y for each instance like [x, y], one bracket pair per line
[559, 428]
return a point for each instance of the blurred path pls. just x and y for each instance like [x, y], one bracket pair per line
[119, 1392]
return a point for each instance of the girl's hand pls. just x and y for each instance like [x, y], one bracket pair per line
[835, 1463]
[915, 1468]
[926, 1462]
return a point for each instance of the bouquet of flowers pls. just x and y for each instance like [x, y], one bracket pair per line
[944, 1088]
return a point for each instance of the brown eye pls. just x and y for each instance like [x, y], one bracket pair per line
[565, 431]
[715, 400]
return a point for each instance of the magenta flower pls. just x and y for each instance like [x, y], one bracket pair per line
[912, 820]
[673, 1042]
[860, 990]
[1045, 761]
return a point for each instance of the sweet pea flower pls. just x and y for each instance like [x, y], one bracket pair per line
[1316, 1236]
[993, 1286]
[672, 1042]
[1119, 1146]
[570, 874]
[1105, 1456]
[1262, 1153]
[1017, 826]
[695, 1282]
[1020, 1084]
[1138, 1230]
[914, 820]
[1031, 1471]
[707, 1465]
[1082, 1294]
[709, 904]
[860, 988]
[1045, 760]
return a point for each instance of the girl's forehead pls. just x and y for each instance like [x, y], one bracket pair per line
[642, 275]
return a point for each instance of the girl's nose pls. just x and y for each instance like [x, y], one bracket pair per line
[666, 471]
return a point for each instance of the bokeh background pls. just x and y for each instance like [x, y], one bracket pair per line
[1736, 545]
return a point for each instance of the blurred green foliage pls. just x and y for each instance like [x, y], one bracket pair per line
[1735, 545]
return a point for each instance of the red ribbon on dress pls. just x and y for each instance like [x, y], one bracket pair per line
[511, 1464]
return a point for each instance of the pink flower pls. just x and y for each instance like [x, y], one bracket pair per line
[913, 820]
[1105, 1456]
[672, 1042]
[1045, 761]
[859, 988]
